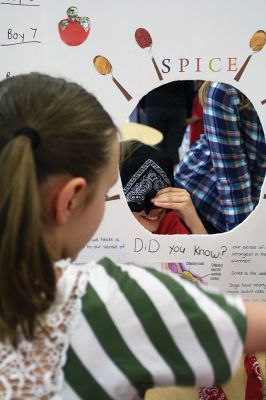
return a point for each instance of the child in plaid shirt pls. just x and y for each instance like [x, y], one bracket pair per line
[225, 169]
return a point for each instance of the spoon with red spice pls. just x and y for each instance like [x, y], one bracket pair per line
[144, 40]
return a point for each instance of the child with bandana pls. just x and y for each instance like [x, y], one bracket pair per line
[147, 179]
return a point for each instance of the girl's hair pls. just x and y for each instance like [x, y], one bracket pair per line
[245, 102]
[76, 135]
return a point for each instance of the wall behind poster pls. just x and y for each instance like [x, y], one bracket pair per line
[207, 40]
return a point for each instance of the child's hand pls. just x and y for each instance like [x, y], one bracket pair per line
[180, 201]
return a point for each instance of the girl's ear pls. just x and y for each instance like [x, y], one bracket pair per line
[69, 198]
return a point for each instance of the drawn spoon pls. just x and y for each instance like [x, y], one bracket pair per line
[144, 40]
[256, 44]
[104, 67]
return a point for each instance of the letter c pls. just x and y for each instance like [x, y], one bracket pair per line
[211, 66]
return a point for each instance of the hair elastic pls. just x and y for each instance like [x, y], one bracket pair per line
[31, 133]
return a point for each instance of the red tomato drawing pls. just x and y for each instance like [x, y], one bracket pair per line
[74, 30]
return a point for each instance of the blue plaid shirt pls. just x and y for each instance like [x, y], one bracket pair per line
[225, 169]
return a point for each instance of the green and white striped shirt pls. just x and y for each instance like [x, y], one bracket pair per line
[139, 327]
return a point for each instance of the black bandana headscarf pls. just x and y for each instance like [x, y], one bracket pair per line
[145, 172]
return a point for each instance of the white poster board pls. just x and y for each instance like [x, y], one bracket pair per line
[191, 39]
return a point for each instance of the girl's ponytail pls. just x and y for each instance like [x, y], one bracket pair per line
[27, 280]
[66, 132]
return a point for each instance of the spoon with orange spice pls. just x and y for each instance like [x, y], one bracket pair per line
[104, 67]
[256, 44]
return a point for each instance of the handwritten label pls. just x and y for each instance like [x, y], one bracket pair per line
[176, 249]
[29, 3]
[199, 251]
[247, 276]
[17, 38]
[243, 254]
[216, 271]
[151, 246]
[248, 288]
[22, 26]
[105, 243]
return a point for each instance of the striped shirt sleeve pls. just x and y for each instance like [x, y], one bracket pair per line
[140, 328]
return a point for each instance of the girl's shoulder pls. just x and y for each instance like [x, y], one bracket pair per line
[223, 96]
[43, 358]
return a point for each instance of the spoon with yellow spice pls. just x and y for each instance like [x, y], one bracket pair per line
[104, 67]
[256, 44]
